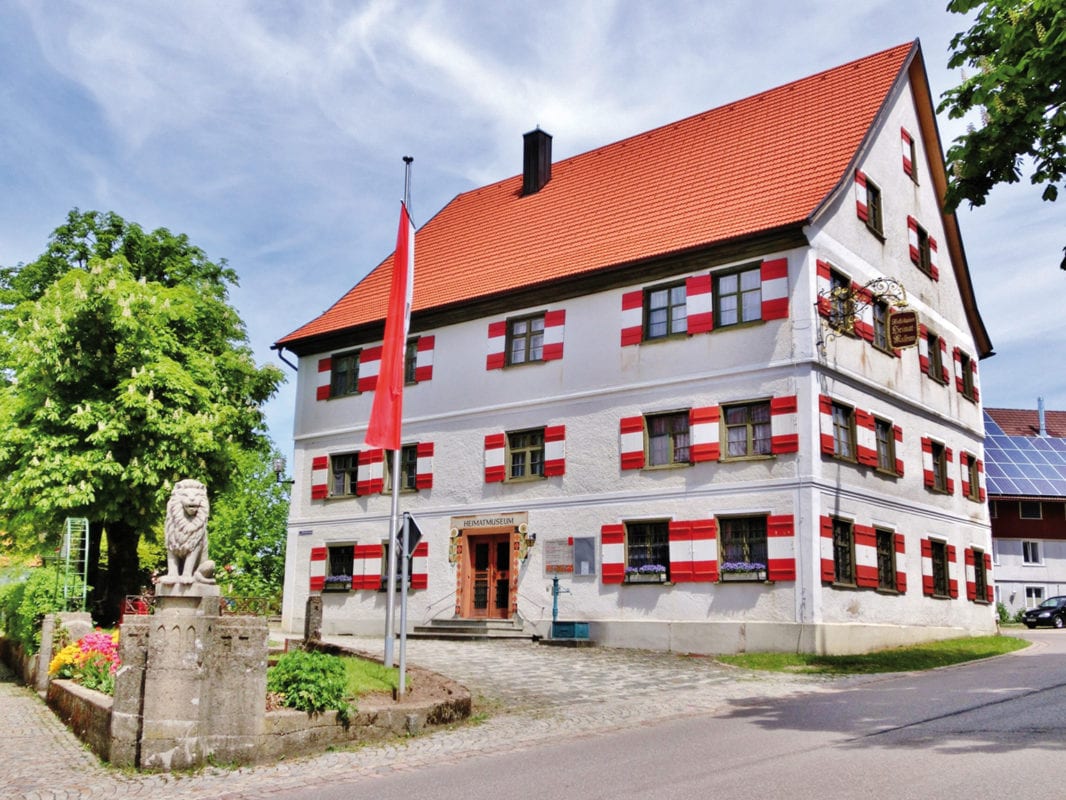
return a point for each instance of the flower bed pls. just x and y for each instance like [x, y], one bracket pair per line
[92, 661]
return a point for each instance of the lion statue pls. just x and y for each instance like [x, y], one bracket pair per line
[186, 535]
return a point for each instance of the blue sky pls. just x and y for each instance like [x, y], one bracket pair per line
[272, 133]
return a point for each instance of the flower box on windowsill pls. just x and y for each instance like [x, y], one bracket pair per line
[344, 585]
[740, 577]
[645, 577]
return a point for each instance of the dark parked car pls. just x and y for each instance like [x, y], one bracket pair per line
[1051, 612]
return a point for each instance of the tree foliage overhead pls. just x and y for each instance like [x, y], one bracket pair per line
[1018, 51]
[124, 378]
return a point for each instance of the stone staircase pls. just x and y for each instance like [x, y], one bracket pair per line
[471, 629]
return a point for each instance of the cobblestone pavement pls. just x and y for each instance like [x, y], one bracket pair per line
[531, 694]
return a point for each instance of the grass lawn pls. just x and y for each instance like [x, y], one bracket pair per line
[366, 677]
[899, 659]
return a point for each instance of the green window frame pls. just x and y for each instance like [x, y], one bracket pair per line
[737, 297]
[843, 552]
[525, 339]
[747, 429]
[344, 374]
[665, 311]
[668, 438]
[525, 452]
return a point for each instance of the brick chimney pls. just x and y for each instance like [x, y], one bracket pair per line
[536, 161]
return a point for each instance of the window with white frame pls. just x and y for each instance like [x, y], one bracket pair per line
[1034, 596]
[1031, 553]
[1030, 509]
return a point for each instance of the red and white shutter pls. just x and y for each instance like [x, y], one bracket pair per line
[320, 477]
[554, 450]
[825, 548]
[934, 269]
[907, 146]
[973, 372]
[317, 568]
[495, 451]
[860, 196]
[970, 573]
[990, 591]
[923, 349]
[964, 472]
[774, 275]
[912, 240]
[928, 475]
[981, 491]
[699, 304]
[866, 438]
[823, 286]
[680, 542]
[424, 358]
[953, 569]
[864, 320]
[324, 378]
[632, 317]
[943, 360]
[420, 566]
[825, 424]
[865, 557]
[367, 569]
[424, 465]
[901, 567]
[370, 475]
[497, 356]
[613, 553]
[784, 425]
[369, 367]
[949, 459]
[927, 568]
[897, 434]
[554, 325]
[956, 357]
[631, 442]
[780, 548]
[703, 434]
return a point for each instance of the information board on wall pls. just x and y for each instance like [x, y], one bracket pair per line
[574, 555]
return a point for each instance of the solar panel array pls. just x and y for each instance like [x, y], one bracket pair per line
[1023, 465]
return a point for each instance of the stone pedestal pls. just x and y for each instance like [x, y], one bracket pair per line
[76, 623]
[198, 680]
[313, 619]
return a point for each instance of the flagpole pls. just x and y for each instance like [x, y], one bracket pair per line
[394, 515]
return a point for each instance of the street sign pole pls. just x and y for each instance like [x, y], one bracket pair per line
[404, 560]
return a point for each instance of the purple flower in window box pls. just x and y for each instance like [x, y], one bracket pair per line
[742, 566]
[338, 582]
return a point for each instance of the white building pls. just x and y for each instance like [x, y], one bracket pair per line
[631, 358]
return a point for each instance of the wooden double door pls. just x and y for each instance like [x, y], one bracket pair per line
[487, 578]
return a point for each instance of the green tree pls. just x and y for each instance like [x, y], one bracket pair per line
[1018, 51]
[247, 529]
[123, 379]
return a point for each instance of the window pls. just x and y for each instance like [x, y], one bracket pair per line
[341, 560]
[647, 544]
[747, 429]
[980, 577]
[344, 374]
[344, 469]
[910, 156]
[843, 432]
[738, 297]
[973, 476]
[936, 361]
[410, 362]
[940, 467]
[880, 312]
[1034, 596]
[886, 559]
[873, 208]
[525, 339]
[886, 445]
[1031, 553]
[1030, 509]
[966, 381]
[993, 511]
[941, 584]
[668, 439]
[743, 539]
[923, 258]
[526, 453]
[408, 468]
[399, 564]
[841, 303]
[665, 311]
[843, 552]
[995, 552]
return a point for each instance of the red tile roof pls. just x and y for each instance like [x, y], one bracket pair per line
[749, 167]
[1026, 422]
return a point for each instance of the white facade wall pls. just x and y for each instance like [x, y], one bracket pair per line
[598, 382]
[1014, 575]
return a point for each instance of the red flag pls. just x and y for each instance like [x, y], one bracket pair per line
[386, 414]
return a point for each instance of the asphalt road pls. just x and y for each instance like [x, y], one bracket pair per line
[990, 729]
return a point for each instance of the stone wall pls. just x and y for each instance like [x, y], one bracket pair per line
[87, 712]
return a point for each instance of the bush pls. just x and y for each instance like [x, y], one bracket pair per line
[1002, 613]
[311, 682]
[25, 604]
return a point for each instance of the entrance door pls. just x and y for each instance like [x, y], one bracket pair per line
[489, 576]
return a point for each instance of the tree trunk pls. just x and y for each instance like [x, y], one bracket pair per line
[123, 575]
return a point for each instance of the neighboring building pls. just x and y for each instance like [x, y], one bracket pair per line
[1025, 460]
[629, 369]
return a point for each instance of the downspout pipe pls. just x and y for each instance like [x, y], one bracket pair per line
[281, 355]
